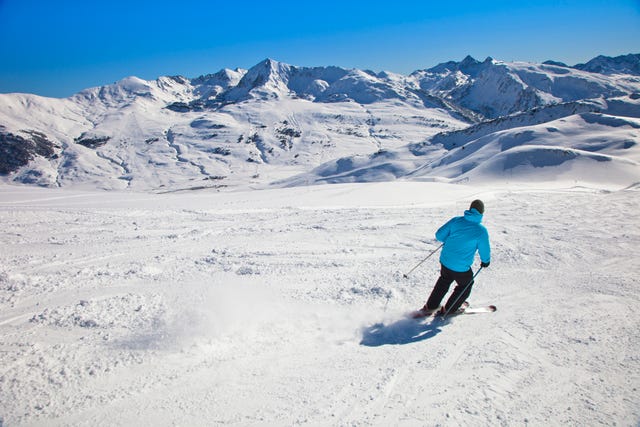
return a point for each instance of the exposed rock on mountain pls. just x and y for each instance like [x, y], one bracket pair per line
[17, 151]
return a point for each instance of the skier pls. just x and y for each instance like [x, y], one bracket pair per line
[462, 237]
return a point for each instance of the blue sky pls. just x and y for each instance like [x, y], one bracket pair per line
[57, 48]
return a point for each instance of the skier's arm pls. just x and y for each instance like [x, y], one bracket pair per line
[443, 232]
[484, 248]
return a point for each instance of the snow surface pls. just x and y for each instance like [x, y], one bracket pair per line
[285, 307]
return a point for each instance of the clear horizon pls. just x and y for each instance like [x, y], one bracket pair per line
[56, 50]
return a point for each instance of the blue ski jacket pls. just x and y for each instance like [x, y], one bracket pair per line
[462, 237]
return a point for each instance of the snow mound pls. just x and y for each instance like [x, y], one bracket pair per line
[131, 311]
[604, 149]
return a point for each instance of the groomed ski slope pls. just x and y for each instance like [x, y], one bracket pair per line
[285, 307]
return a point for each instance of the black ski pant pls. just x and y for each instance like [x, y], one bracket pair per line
[459, 295]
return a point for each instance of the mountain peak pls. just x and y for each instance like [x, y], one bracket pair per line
[471, 66]
[270, 64]
[469, 60]
[555, 63]
[468, 65]
[623, 64]
[267, 79]
[224, 77]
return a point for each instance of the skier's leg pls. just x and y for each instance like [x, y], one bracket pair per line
[461, 292]
[440, 289]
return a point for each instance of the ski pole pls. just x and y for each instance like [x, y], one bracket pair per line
[406, 276]
[463, 292]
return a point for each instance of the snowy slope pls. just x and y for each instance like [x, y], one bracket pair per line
[549, 152]
[590, 146]
[245, 128]
[285, 307]
[591, 142]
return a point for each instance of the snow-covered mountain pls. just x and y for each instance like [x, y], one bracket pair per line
[590, 141]
[281, 123]
[494, 89]
[624, 64]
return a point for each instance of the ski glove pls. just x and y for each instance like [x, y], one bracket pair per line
[484, 264]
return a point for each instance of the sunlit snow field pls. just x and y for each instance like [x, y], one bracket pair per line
[287, 307]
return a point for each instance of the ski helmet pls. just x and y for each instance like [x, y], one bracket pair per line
[477, 205]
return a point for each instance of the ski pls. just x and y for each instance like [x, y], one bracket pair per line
[485, 309]
[470, 310]
[422, 313]
[464, 309]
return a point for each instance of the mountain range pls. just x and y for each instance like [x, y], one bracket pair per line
[281, 125]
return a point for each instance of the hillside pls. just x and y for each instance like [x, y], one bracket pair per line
[276, 123]
[596, 142]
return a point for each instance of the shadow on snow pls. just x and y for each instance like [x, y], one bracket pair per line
[404, 331]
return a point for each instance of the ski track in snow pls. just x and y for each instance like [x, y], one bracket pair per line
[285, 307]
